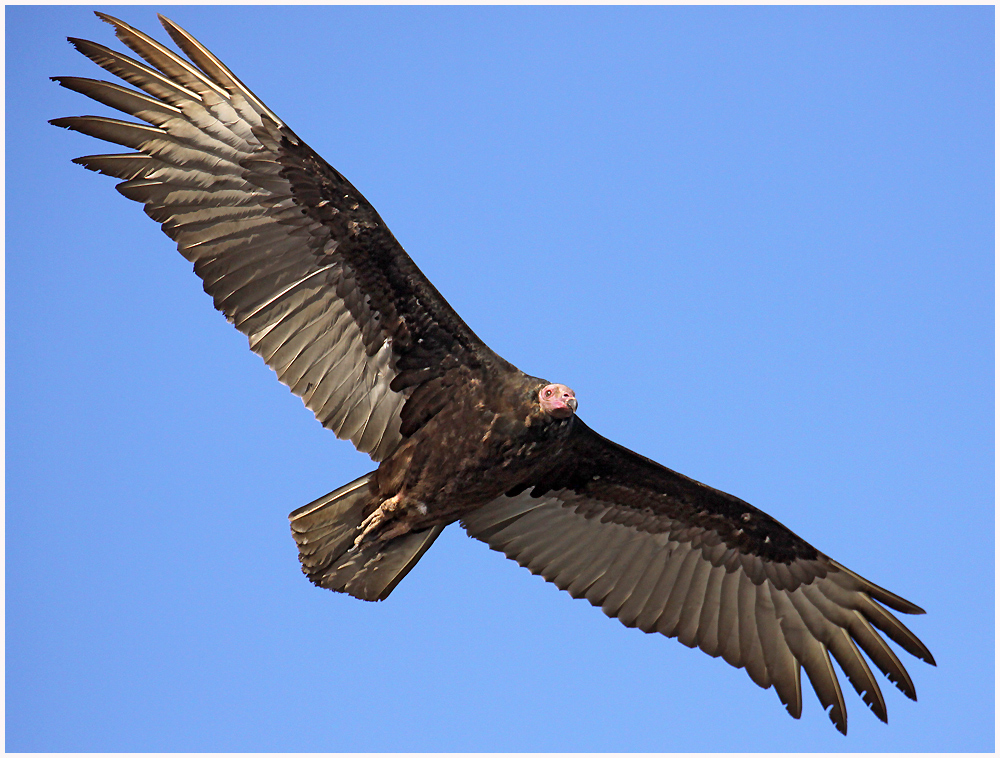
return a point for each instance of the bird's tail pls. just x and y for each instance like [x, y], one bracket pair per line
[325, 531]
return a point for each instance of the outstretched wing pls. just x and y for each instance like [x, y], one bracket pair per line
[667, 554]
[289, 250]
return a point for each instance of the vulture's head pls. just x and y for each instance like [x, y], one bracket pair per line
[557, 400]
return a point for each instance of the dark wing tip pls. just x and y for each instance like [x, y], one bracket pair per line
[107, 18]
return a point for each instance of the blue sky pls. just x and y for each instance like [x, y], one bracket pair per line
[774, 236]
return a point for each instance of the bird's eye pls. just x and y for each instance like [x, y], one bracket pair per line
[548, 393]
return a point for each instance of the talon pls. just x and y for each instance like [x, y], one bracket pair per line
[369, 525]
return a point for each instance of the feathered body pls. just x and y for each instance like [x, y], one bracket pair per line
[303, 265]
[492, 438]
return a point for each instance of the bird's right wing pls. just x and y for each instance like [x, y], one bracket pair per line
[664, 553]
[289, 250]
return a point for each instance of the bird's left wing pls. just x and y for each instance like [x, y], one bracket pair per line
[290, 251]
[667, 554]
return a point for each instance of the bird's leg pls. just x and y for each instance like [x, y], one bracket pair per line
[378, 517]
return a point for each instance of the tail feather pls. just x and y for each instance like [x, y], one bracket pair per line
[325, 531]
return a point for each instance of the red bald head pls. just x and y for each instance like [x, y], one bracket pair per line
[557, 400]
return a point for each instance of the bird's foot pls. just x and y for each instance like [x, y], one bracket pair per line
[377, 518]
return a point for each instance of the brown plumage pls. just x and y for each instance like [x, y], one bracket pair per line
[302, 264]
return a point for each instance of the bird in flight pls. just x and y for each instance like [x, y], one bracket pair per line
[303, 265]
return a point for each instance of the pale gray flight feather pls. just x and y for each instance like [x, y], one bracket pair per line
[207, 170]
[680, 583]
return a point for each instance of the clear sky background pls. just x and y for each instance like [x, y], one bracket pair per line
[758, 243]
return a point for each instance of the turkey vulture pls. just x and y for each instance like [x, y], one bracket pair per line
[303, 265]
